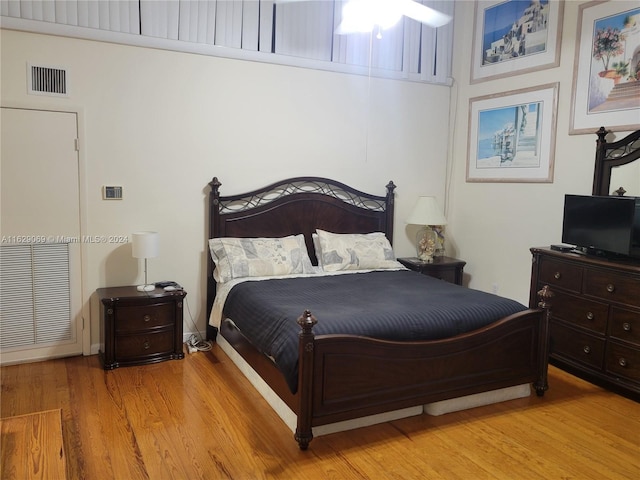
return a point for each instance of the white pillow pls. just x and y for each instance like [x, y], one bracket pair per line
[355, 251]
[258, 257]
[316, 247]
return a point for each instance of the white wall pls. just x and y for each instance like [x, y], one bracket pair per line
[162, 124]
[493, 225]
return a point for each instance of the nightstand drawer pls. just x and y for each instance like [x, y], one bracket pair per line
[561, 274]
[582, 347]
[623, 361]
[444, 268]
[613, 288]
[143, 317]
[578, 311]
[140, 346]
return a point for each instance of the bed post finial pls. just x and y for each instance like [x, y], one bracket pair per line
[601, 152]
[390, 207]
[390, 187]
[545, 295]
[304, 432]
[215, 189]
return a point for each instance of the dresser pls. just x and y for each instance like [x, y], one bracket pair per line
[137, 328]
[595, 316]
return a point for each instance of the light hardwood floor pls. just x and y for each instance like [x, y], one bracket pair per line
[200, 418]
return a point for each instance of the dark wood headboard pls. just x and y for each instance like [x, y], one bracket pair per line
[294, 206]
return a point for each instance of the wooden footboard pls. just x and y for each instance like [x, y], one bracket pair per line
[345, 377]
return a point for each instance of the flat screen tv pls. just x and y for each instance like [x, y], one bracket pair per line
[606, 226]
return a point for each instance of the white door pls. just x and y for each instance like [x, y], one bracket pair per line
[40, 271]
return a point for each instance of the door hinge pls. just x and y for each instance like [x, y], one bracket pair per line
[77, 144]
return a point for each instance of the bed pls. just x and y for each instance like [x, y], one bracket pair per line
[337, 372]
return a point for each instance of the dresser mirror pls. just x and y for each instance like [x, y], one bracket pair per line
[628, 177]
[617, 168]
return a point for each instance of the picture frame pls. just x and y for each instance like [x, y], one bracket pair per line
[607, 62]
[512, 136]
[512, 37]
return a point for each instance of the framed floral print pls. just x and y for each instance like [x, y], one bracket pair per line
[606, 82]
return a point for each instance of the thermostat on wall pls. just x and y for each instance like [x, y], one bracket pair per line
[111, 193]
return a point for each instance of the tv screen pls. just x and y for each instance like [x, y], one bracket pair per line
[600, 223]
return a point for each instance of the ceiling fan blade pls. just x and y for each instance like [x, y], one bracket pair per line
[424, 14]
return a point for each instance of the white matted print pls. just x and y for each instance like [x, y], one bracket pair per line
[606, 82]
[511, 37]
[512, 136]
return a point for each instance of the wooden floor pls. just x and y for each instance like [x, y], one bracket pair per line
[185, 419]
[32, 447]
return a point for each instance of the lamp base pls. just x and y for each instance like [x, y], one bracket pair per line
[426, 244]
[146, 288]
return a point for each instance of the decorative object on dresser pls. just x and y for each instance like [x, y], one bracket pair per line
[617, 169]
[331, 373]
[444, 268]
[429, 239]
[595, 322]
[145, 245]
[137, 328]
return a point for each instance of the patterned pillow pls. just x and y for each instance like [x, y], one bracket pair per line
[258, 257]
[355, 251]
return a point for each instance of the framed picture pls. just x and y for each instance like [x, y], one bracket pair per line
[512, 136]
[511, 37]
[606, 78]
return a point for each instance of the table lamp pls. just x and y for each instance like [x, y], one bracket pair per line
[429, 240]
[145, 245]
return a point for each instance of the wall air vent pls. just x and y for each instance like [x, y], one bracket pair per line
[47, 81]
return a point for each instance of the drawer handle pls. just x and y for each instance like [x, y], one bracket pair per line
[589, 315]
[146, 318]
[146, 345]
[626, 326]
[586, 349]
[557, 275]
[622, 362]
[610, 288]
[110, 311]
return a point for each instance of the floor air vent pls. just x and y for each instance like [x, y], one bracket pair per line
[47, 81]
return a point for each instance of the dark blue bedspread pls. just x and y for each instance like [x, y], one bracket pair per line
[392, 305]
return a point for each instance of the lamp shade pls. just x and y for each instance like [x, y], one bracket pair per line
[146, 244]
[426, 211]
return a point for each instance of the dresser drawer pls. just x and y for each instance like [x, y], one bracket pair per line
[578, 346]
[140, 346]
[625, 325]
[561, 274]
[623, 361]
[134, 318]
[579, 311]
[613, 288]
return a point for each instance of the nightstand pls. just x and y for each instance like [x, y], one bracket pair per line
[444, 268]
[137, 328]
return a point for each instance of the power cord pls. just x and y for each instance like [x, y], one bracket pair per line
[196, 343]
